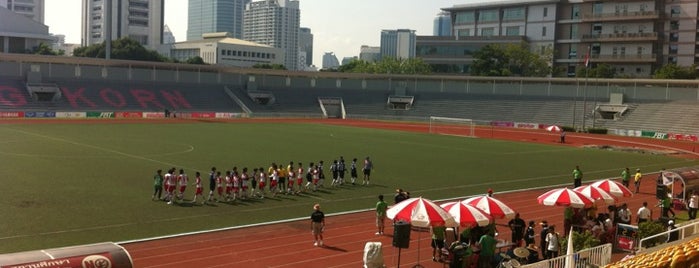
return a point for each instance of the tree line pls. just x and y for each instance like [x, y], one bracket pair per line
[491, 60]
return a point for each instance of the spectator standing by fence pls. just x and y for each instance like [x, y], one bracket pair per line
[644, 213]
[381, 207]
[693, 205]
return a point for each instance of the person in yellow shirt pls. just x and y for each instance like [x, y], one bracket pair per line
[637, 179]
[282, 179]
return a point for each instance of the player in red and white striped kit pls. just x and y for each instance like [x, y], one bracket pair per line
[219, 186]
[197, 184]
[299, 178]
[262, 179]
[290, 177]
[235, 180]
[169, 186]
[244, 180]
[229, 185]
[274, 180]
[182, 181]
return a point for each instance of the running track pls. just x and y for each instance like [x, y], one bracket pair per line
[290, 244]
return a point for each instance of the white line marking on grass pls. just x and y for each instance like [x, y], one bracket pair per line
[102, 149]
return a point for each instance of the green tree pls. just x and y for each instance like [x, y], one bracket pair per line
[387, 65]
[45, 49]
[673, 71]
[510, 60]
[269, 66]
[195, 60]
[601, 70]
[122, 48]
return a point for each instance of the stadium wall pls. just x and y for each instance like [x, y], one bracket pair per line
[634, 90]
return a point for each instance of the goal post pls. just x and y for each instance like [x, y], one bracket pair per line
[452, 126]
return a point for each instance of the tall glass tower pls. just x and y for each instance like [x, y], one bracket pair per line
[212, 16]
[275, 23]
[442, 24]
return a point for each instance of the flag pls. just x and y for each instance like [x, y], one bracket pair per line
[570, 258]
[587, 58]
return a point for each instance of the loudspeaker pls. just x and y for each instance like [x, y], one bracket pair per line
[401, 234]
[660, 191]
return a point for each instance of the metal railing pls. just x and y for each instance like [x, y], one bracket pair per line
[687, 230]
[596, 256]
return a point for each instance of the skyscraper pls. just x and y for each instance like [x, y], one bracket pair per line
[213, 16]
[306, 44]
[141, 20]
[168, 36]
[399, 44]
[330, 61]
[275, 23]
[33, 9]
[442, 24]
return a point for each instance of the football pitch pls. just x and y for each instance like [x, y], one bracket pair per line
[69, 184]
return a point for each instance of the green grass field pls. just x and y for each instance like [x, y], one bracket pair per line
[68, 184]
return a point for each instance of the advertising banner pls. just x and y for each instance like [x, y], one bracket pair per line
[527, 125]
[153, 115]
[228, 115]
[129, 115]
[11, 114]
[71, 114]
[682, 137]
[203, 115]
[39, 114]
[502, 124]
[100, 114]
[627, 237]
[95, 260]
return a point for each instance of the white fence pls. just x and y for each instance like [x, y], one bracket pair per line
[684, 231]
[598, 256]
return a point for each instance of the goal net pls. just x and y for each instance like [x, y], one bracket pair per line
[452, 126]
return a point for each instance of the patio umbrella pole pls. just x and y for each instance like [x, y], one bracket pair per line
[419, 235]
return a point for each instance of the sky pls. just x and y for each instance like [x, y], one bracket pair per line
[339, 26]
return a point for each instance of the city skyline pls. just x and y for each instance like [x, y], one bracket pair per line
[329, 21]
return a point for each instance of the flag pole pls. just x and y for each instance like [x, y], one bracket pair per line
[587, 65]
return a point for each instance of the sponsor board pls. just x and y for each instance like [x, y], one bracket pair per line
[39, 114]
[502, 124]
[100, 114]
[11, 114]
[228, 115]
[71, 114]
[654, 135]
[128, 114]
[153, 115]
[204, 115]
[682, 137]
[100, 260]
[527, 125]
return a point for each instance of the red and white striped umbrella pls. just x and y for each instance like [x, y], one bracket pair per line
[596, 193]
[466, 215]
[613, 187]
[421, 212]
[565, 197]
[495, 208]
[553, 128]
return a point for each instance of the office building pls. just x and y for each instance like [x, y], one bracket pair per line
[141, 20]
[634, 37]
[275, 23]
[213, 16]
[442, 24]
[398, 44]
[369, 53]
[330, 61]
[33, 9]
[223, 49]
[168, 36]
[19, 33]
[306, 46]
